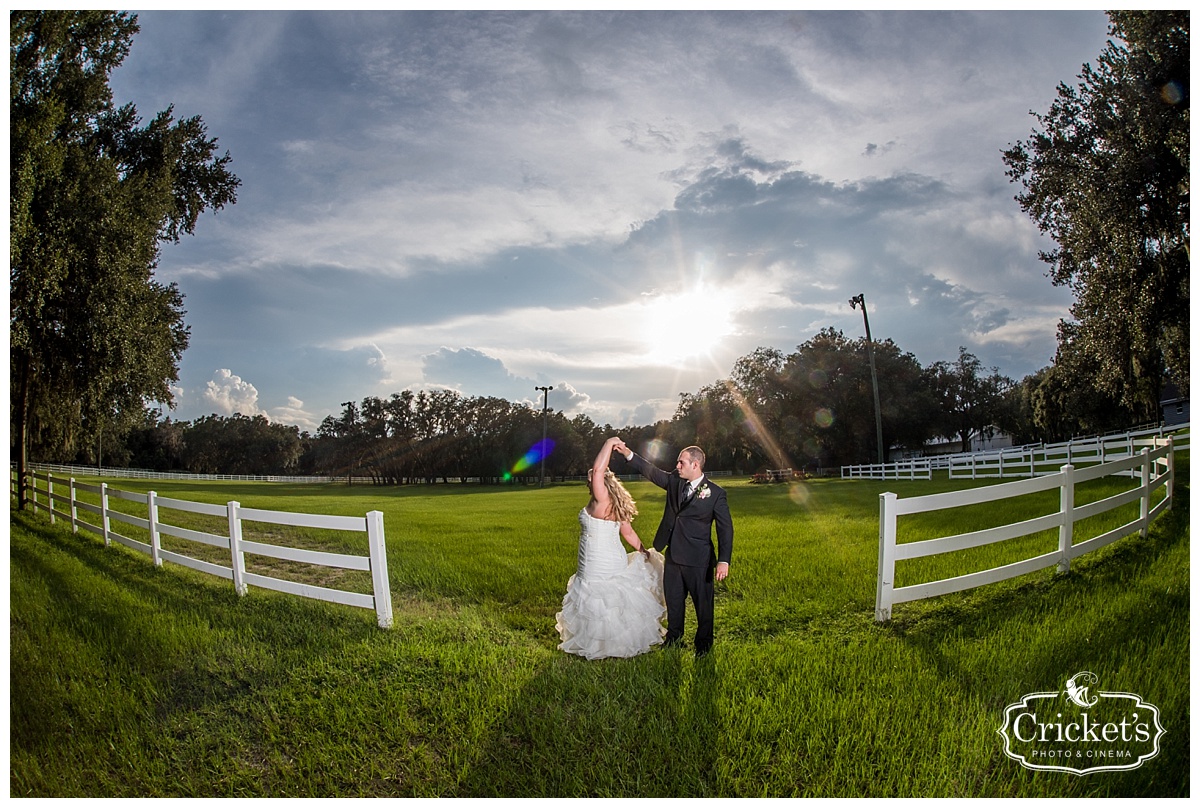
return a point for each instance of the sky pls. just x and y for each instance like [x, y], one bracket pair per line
[615, 204]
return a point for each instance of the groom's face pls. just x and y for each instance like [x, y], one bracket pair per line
[688, 468]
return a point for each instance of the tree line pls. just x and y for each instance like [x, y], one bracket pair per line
[810, 409]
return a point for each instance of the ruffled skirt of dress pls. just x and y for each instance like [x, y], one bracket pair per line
[617, 616]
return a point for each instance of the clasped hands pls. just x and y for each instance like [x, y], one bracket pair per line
[618, 445]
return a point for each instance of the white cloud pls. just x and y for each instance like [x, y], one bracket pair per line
[294, 413]
[390, 229]
[228, 394]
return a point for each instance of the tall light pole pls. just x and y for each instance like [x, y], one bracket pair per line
[545, 405]
[856, 302]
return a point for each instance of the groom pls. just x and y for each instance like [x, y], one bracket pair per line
[694, 504]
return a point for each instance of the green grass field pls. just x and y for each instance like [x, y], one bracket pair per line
[127, 680]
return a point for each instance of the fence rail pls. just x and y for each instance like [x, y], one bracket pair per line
[1155, 469]
[235, 515]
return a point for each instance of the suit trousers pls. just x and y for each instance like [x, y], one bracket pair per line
[678, 583]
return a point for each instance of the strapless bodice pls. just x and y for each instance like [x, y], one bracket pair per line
[600, 552]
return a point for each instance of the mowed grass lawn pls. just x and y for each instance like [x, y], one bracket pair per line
[127, 680]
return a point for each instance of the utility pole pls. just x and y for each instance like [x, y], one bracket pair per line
[856, 302]
[348, 406]
[545, 405]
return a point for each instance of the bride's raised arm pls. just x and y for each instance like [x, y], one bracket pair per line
[599, 466]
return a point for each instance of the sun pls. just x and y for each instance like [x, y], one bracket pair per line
[686, 325]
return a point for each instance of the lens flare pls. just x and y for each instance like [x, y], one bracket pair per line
[539, 450]
[823, 418]
[1172, 92]
[761, 435]
[655, 451]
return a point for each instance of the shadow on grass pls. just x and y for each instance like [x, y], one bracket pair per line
[642, 727]
[113, 602]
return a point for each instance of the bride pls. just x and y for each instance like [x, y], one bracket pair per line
[614, 604]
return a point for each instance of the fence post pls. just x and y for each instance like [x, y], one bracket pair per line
[152, 517]
[1145, 510]
[74, 509]
[104, 513]
[235, 548]
[50, 494]
[1171, 471]
[379, 573]
[1066, 507]
[887, 557]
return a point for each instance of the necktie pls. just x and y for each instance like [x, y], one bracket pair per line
[686, 495]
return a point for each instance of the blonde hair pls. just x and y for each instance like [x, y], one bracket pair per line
[621, 502]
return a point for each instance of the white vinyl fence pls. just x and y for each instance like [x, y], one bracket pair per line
[1155, 468]
[61, 500]
[1022, 461]
[917, 468]
[1033, 461]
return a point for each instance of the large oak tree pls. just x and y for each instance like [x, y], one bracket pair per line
[1107, 177]
[94, 338]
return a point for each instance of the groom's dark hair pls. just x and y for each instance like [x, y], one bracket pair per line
[697, 455]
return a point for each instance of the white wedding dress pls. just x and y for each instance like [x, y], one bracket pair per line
[614, 604]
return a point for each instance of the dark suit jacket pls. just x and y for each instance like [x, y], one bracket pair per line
[688, 530]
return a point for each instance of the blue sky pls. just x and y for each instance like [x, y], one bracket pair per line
[493, 201]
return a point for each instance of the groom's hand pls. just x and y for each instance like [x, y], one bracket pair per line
[722, 571]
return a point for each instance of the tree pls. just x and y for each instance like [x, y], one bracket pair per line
[971, 403]
[1064, 401]
[715, 418]
[1107, 177]
[94, 338]
[157, 445]
[240, 444]
[829, 410]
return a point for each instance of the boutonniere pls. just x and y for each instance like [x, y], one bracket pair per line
[703, 493]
